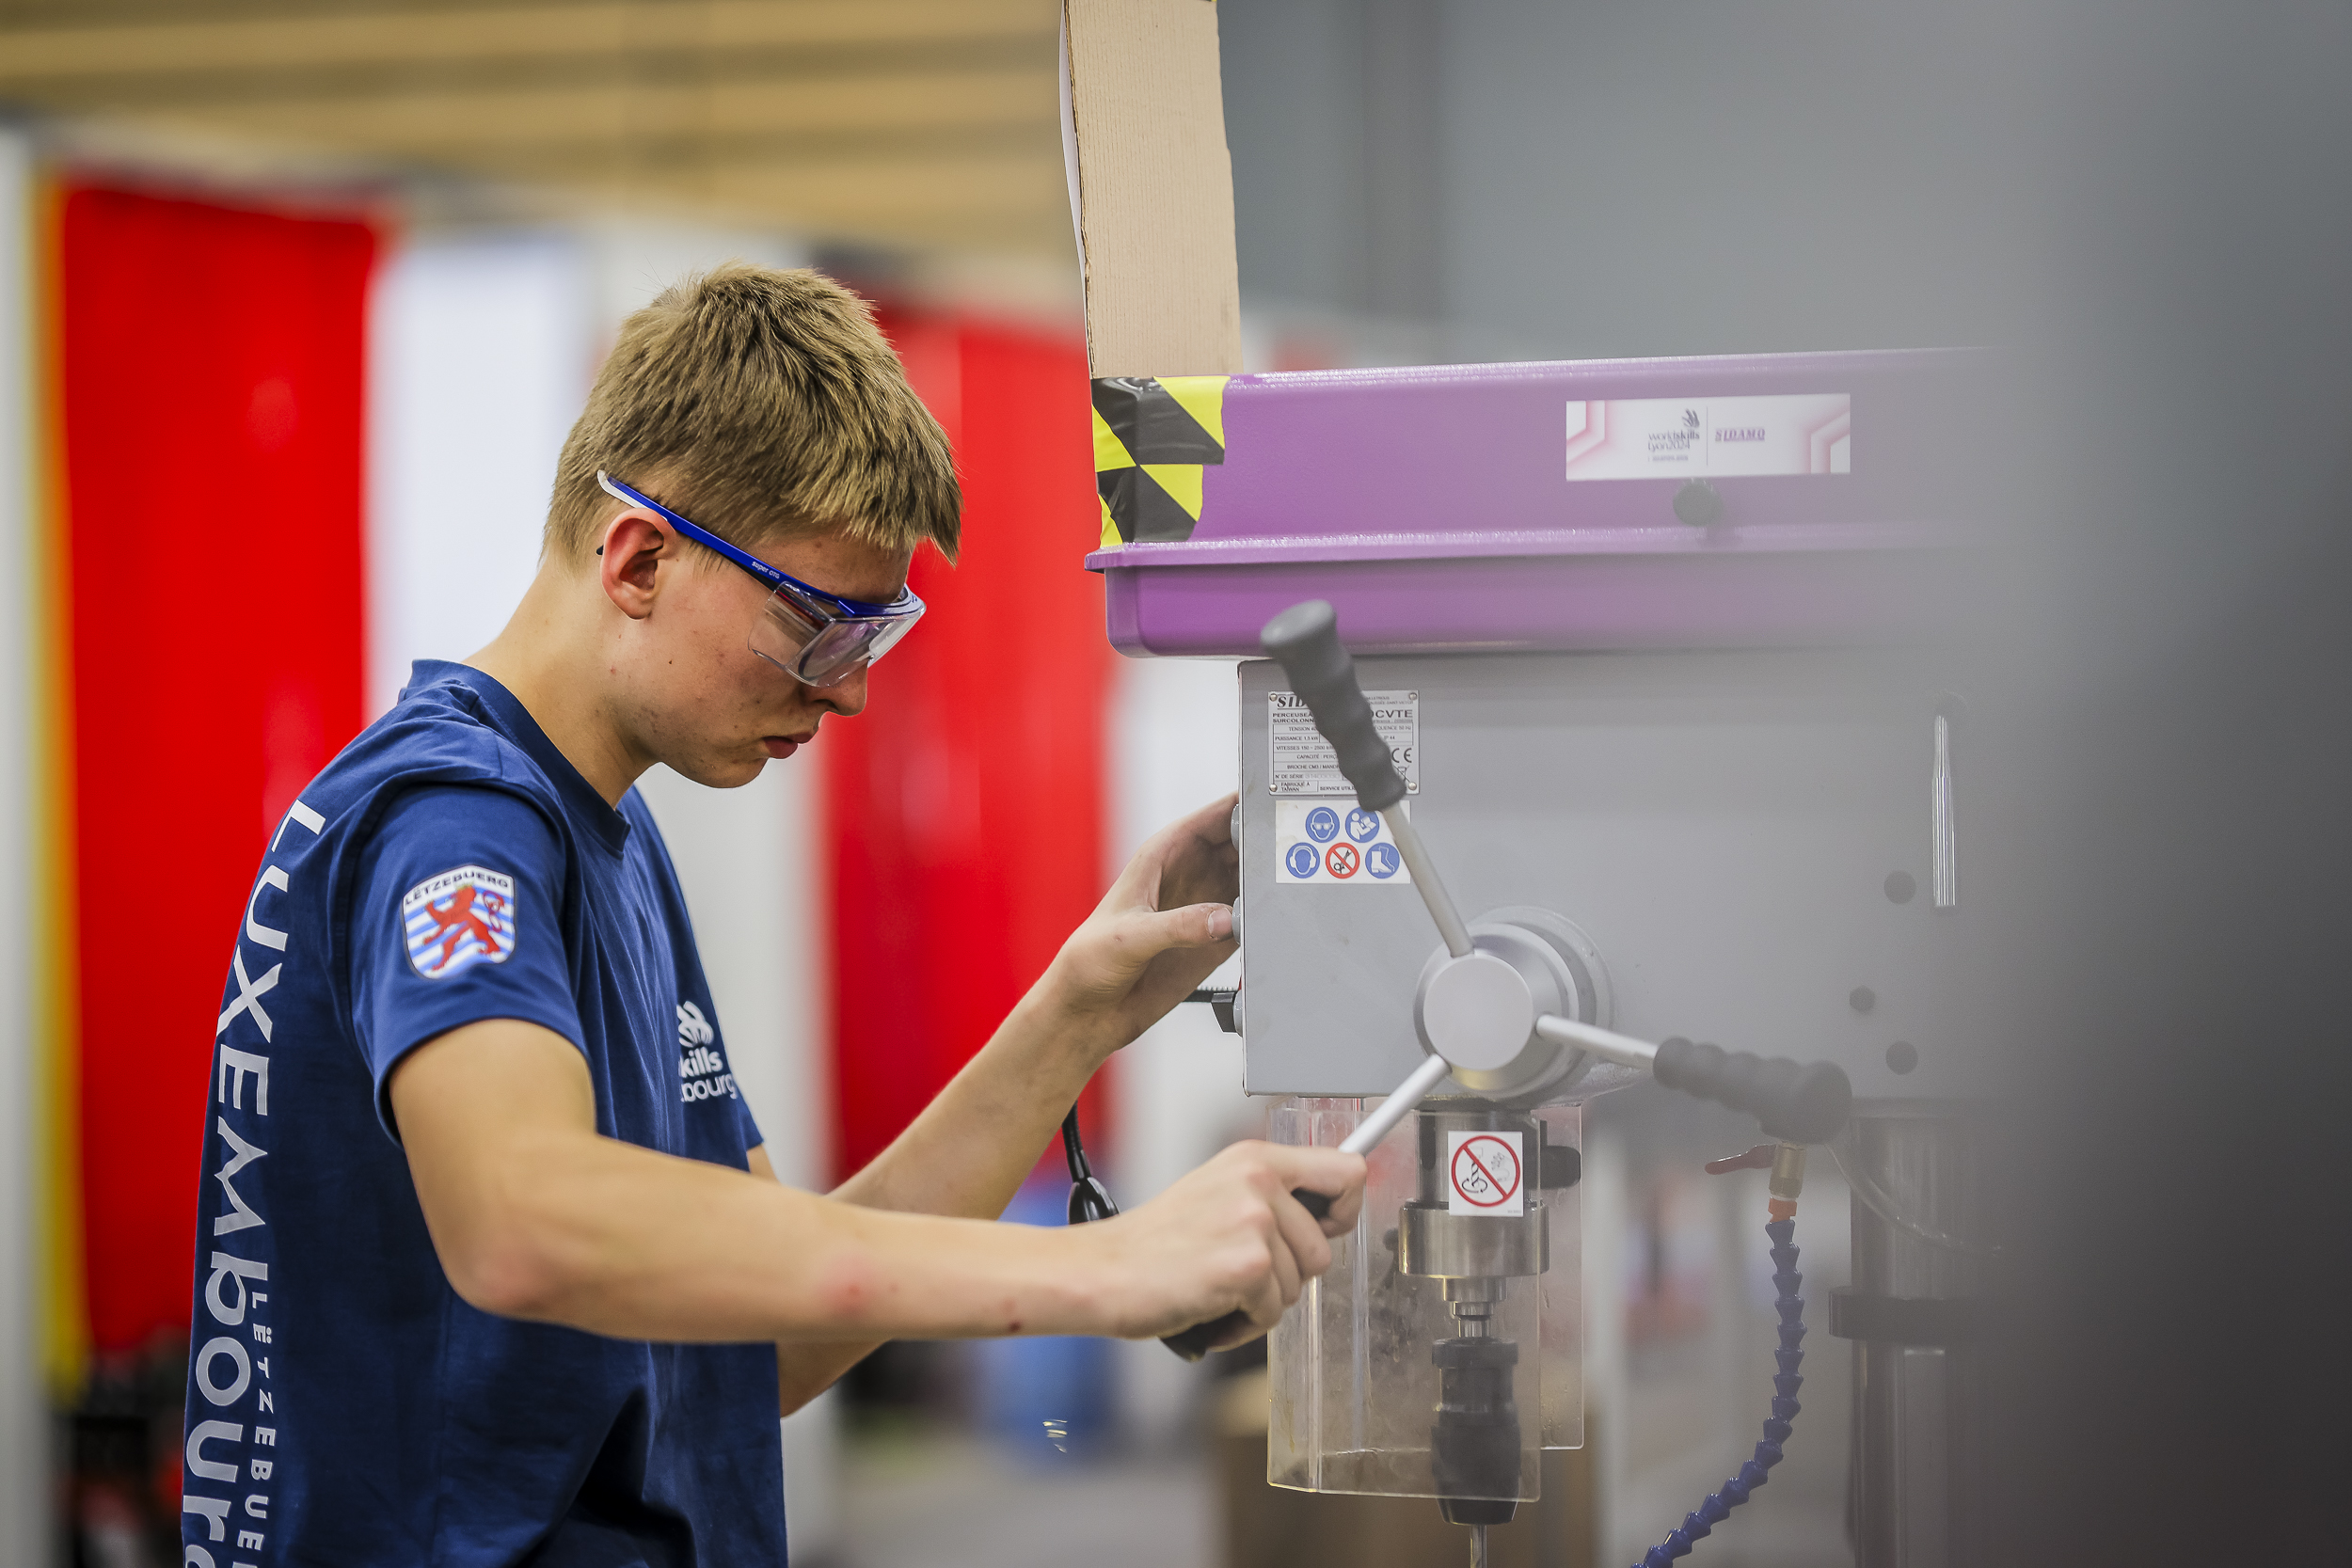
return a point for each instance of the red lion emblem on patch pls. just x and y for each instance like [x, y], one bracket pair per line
[459, 919]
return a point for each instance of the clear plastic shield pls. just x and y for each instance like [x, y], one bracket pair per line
[1444, 1349]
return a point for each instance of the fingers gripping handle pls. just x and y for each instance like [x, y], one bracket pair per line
[1797, 1103]
[1305, 640]
[1195, 1342]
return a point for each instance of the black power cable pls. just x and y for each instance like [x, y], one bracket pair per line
[1088, 1199]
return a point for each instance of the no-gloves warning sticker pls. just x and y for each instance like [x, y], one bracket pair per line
[1483, 1173]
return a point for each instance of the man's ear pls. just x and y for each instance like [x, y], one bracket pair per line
[634, 544]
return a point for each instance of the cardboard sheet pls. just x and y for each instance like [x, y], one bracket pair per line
[1153, 187]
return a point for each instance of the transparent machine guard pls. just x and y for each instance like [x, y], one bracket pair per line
[1354, 1367]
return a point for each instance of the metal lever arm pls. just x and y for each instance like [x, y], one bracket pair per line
[1305, 640]
[1797, 1102]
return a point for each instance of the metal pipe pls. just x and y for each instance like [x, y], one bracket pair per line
[1373, 1128]
[1920, 1451]
[1425, 879]
[1942, 851]
[1607, 1044]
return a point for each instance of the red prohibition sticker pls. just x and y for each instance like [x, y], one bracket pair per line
[1482, 1174]
[1341, 860]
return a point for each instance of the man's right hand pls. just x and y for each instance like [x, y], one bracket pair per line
[1228, 1236]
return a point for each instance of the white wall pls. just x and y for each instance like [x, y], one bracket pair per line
[482, 344]
[479, 355]
[24, 1507]
[629, 262]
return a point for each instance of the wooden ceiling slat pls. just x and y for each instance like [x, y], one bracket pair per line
[480, 125]
[1010, 202]
[30, 56]
[928, 123]
[901, 186]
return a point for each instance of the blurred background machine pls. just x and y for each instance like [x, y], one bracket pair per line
[1652, 723]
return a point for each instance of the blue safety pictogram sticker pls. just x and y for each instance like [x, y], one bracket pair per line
[1333, 843]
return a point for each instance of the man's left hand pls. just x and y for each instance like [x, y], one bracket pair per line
[1163, 927]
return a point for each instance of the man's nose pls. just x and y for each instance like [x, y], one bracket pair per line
[847, 699]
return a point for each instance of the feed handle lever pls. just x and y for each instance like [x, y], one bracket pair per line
[1305, 640]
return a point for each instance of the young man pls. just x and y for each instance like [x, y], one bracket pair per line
[480, 1281]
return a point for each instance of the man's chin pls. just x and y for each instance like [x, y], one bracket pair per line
[729, 772]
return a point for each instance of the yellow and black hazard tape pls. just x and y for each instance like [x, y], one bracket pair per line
[1152, 436]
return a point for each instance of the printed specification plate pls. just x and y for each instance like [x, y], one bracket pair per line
[1336, 843]
[1303, 762]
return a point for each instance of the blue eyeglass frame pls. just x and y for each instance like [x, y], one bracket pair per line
[847, 610]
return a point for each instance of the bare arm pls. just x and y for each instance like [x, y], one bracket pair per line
[536, 1216]
[1156, 934]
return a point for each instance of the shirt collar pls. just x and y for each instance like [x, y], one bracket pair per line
[506, 714]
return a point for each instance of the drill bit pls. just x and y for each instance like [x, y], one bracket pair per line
[1478, 1547]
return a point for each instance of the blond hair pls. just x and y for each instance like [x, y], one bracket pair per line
[764, 404]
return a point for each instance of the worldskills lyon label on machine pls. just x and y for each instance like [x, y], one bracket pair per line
[1807, 432]
[1485, 1174]
[1336, 843]
[1301, 762]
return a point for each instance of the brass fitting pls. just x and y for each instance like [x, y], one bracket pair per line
[1787, 1181]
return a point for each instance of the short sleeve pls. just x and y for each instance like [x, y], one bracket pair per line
[751, 1137]
[455, 918]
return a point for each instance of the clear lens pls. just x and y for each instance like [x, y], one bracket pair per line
[817, 650]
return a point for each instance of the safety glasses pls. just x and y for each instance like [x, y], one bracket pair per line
[817, 638]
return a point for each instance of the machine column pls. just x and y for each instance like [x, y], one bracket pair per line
[1915, 1315]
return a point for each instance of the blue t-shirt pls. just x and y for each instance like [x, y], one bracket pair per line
[344, 1405]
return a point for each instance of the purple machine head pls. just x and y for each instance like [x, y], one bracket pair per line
[1738, 502]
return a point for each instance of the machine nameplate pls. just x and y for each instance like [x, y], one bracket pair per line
[1810, 432]
[1304, 763]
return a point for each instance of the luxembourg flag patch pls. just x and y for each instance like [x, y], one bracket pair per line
[459, 919]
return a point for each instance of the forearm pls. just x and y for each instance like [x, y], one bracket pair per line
[967, 1154]
[972, 1146]
[621, 1240]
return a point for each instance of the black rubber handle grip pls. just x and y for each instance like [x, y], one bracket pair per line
[1305, 638]
[1798, 1103]
[1194, 1342]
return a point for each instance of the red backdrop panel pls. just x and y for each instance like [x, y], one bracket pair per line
[966, 803]
[212, 376]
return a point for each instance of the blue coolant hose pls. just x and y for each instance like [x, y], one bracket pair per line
[1789, 1356]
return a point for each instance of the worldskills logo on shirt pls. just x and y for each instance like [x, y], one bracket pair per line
[459, 919]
